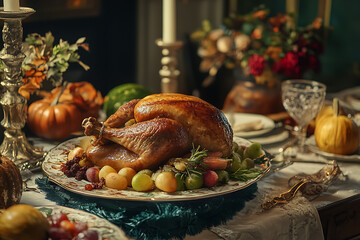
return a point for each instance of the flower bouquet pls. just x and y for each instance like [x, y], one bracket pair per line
[262, 46]
[262, 50]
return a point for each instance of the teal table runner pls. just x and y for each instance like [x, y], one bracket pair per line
[155, 220]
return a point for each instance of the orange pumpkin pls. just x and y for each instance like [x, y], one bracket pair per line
[86, 97]
[55, 119]
[10, 183]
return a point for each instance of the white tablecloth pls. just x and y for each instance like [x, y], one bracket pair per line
[298, 219]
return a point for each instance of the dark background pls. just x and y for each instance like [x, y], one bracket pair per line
[110, 31]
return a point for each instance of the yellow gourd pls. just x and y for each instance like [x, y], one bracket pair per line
[23, 222]
[337, 133]
[327, 111]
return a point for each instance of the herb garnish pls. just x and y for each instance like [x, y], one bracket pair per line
[195, 162]
[245, 174]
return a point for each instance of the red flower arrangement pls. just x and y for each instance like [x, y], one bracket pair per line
[261, 45]
[256, 64]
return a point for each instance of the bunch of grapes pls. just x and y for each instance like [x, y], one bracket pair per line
[62, 228]
[72, 168]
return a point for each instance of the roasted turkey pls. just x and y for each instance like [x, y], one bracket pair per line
[166, 126]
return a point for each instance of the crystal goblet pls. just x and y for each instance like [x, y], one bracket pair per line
[303, 100]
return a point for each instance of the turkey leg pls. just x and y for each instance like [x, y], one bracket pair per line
[142, 145]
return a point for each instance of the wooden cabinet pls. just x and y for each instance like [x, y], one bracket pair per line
[341, 220]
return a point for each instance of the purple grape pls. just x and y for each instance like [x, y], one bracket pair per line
[88, 235]
[59, 234]
[69, 173]
[80, 175]
[75, 167]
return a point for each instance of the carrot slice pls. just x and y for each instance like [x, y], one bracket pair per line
[216, 163]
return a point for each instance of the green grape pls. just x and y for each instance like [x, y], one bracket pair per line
[194, 181]
[223, 176]
[253, 151]
[146, 171]
[235, 147]
[235, 164]
[240, 151]
[247, 163]
[142, 182]
[153, 175]
[180, 182]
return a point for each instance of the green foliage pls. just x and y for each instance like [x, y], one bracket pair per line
[56, 58]
[245, 175]
[63, 54]
[195, 163]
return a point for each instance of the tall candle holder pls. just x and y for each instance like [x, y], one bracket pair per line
[169, 73]
[15, 145]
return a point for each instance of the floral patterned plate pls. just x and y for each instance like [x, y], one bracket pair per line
[57, 156]
[104, 228]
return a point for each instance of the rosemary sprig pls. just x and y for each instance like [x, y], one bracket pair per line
[246, 174]
[195, 162]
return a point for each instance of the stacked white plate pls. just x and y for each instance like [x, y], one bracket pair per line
[256, 128]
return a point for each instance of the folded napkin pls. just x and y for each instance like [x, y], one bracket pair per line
[248, 126]
[296, 220]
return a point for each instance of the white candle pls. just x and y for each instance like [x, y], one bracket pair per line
[291, 6]
[169, 21]
[327, 13]
[11, 5]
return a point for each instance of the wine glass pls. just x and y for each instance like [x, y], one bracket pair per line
[303, 100]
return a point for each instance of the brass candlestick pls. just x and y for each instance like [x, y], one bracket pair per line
[15, 145]
[169, 73]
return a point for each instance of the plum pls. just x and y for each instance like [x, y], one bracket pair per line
[92, 174]
[210, 178]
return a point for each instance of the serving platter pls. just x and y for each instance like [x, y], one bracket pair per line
[237, 119]
[104, 228]
[57, 156]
